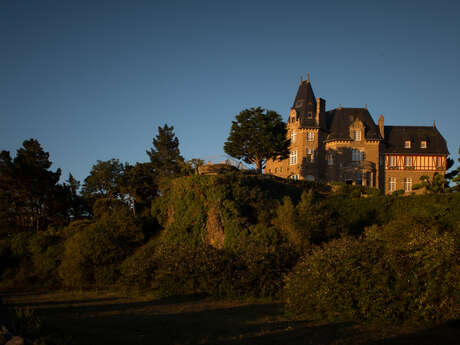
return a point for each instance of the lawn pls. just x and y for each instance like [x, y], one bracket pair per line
[114, 318]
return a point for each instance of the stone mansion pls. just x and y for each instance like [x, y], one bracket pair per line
[345, 145]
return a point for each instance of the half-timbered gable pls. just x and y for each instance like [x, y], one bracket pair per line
[345, 145]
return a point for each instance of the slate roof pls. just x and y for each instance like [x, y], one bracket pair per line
[340, 119]
[395, 136]
[305, 104]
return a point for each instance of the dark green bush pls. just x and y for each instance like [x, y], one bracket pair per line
[187, 269]
[138, 270]
[398, 272]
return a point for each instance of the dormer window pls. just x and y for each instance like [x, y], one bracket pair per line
[309, 115]
[407, 144]
[357, 135]
[423, 144]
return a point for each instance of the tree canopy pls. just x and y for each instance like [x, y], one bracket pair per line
[31, 197]
[257, 135]
[104, 179]
[165, 155]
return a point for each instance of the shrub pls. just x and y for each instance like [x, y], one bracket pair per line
[398, 272]
[186, 269]
[138, 270]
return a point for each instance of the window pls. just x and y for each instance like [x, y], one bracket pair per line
[407, 185]
[330, 159]
[423, 144]
[310, 136]
[293, 158]
[293, 136]
[310, 155]
[357, 135]
[356, 155]
[309, 115]
[276, 170]
[438, 162]
[294, 177]
[391, 161]
[407, 161]
[407, 144]
[391, 184]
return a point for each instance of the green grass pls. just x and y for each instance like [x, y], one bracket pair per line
[113, 318]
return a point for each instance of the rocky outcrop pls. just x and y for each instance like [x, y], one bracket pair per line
[6, 338]
[215, 235]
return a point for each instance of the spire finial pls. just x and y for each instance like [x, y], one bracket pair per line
[301, 79]
[434, 123]
[308, 77]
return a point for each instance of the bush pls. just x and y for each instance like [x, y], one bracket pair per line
[138, 270]
[186, 269]
[94, 252]
[398, 272]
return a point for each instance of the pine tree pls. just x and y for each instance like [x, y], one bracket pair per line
[29, 189]
[165, 155]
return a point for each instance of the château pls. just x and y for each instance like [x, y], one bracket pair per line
[346, 145]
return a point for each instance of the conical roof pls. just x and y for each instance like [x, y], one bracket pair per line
[305, 101]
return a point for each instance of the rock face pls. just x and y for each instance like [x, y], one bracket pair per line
[215, 235]
[6, 338]
[16, 340]
[5, 335]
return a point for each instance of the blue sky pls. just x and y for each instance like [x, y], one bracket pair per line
[92, 80]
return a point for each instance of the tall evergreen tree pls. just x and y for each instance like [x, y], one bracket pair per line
[29, 190]
[165, 155]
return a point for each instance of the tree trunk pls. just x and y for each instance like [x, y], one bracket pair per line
[259, 166]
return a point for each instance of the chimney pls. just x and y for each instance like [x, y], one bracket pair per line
[381, 126]
[320, 110]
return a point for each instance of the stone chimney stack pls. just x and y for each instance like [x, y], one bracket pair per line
[381, 126]
[320, 110]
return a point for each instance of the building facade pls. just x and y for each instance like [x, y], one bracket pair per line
[346, 145]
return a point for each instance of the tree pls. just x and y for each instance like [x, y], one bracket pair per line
[140, 185]
[192, 166]
[165, 155]
[77, 207]
[104, 180]
[455, 175]
[256, 136]
[29, 189]
[437, 184]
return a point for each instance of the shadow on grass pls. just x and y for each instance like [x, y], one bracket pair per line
[447, 333]
[195, 319]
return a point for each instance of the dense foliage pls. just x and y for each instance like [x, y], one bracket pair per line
[337, 252]
[256, 136]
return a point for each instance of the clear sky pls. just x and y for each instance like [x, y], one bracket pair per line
[92, 80]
